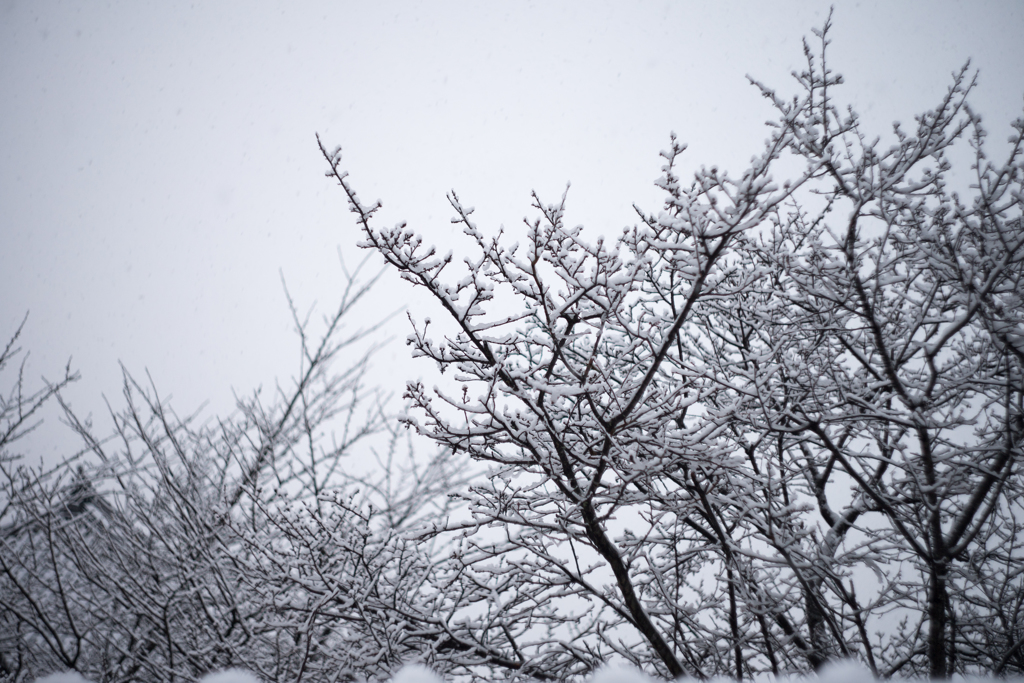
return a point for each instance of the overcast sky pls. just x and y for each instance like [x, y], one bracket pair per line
[158, 166]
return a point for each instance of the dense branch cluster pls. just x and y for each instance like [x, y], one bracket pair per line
[773, 425]
[182, 548]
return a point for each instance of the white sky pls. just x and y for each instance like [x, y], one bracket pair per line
[158, 165]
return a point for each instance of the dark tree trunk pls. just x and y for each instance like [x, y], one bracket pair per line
[734, 625]
[937, 601]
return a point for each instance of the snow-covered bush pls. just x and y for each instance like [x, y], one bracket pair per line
[184, 547]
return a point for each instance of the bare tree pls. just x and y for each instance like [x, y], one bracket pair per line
[894, 369]
[706, 437]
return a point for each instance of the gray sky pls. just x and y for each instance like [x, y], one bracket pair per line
[158, 165]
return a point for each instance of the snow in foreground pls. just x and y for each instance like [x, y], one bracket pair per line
[842, 672]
